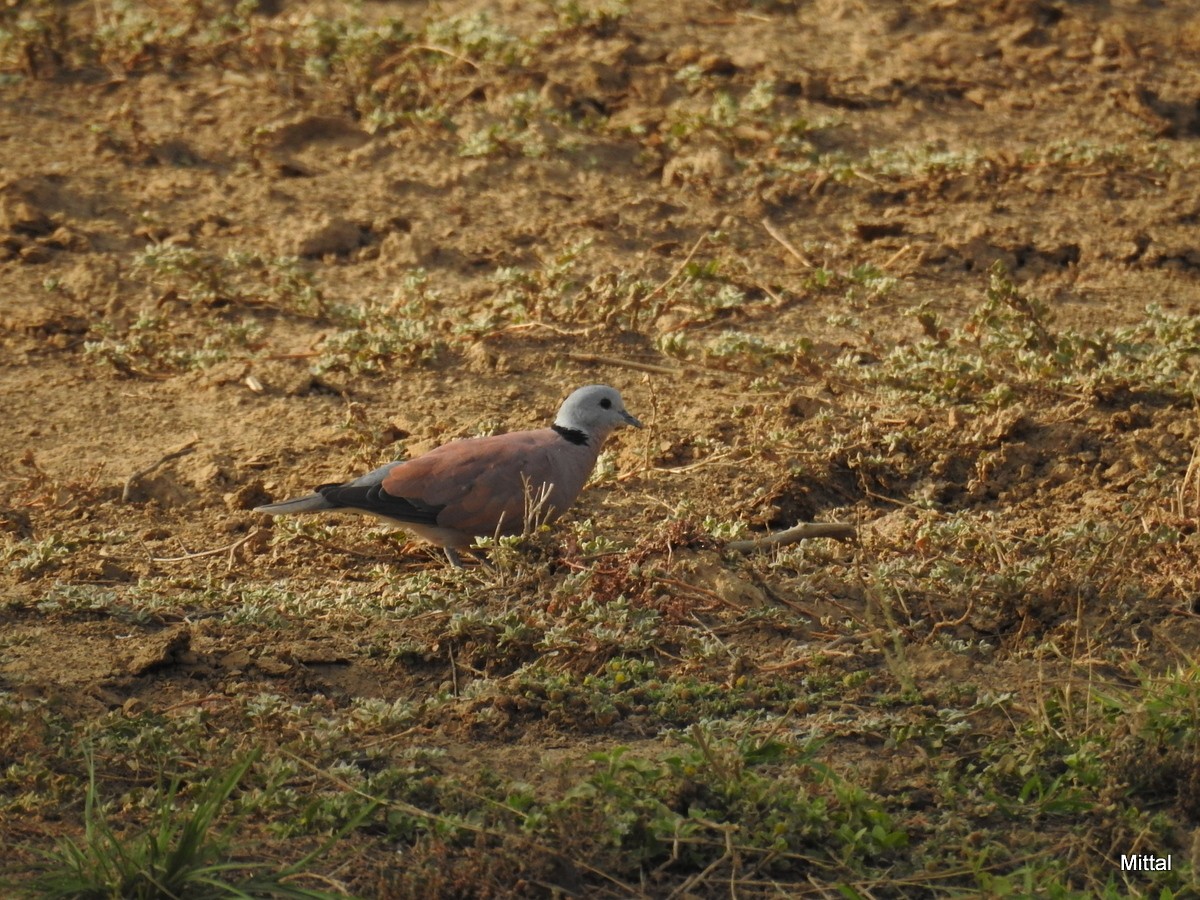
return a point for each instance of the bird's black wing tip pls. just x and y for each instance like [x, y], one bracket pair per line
[374, 499]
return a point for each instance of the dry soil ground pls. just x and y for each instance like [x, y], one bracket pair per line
[927, 266]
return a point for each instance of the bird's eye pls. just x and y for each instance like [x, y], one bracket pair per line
[606, 403]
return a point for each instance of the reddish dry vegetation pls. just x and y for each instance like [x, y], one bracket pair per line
[926, 267]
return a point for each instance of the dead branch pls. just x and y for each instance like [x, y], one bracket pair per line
[228, 548]
[623, 363]
[839, 531]
[679, 268]
[786, 244]
[181, 450]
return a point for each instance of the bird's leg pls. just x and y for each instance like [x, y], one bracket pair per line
[452, 555]
[481, 555]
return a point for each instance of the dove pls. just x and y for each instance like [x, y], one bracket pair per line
[484, 486]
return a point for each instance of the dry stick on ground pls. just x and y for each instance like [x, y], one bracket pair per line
[1189, 480]
[677, 470]
[181, 450]
[828, 649]
[699, 591]
[623, 363]
[678, 269]
[525, 326]
[647, 367]
[786, 244]
[952, 623]
[391, 62]
[805, 530]
[230, 548]
[895, 257]
[635, 307]
[434, 48]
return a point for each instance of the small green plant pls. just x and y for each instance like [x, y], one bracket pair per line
[1160, 721]
[152, 344]
[30, 558]
[600, 18]
[373, 336]
[773, 800]
[235, 279]
[181, 856]
[1010, 348]
[739, 347]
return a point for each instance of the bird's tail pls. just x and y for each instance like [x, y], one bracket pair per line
[311, 503]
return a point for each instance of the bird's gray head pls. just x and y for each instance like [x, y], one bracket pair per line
[593, 411]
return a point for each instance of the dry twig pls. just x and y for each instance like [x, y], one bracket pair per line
[786, 244]
[953, 623]
[678, 269]
[677, 470]
[391, 62]
[228, 548]
[182, 450]
[839, 531]
[623, 363]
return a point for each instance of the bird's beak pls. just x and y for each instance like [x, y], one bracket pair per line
[630, 420]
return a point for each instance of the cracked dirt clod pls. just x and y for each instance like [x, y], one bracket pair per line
[158, 651]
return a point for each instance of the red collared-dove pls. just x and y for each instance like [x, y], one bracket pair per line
[480, 487]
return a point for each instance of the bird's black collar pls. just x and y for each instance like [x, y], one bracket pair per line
[572, 435]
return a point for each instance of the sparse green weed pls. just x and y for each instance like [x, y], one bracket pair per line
[179, 855]
[1009, 349]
